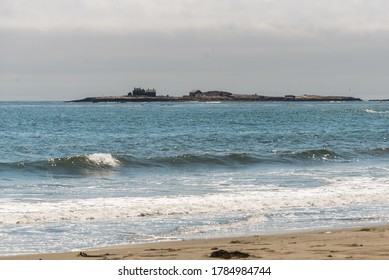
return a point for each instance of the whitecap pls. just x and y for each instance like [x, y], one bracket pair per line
[102, 159]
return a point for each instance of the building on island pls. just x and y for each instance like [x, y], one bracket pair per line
[194, 92]
[138, 91]
[213, 93]
[151, 92]
[142, 92]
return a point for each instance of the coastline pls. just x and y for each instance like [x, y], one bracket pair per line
[361, 243]
[216, 97]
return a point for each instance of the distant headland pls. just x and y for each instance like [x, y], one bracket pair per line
[150, 95]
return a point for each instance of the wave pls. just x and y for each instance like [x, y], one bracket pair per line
[320, 155]
[96, 161]
[88, 163]
[107, 161]
[375, 152]
[80, 164]
[207, 159]
[376, 112]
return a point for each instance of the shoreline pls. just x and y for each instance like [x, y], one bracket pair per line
[215, 98]
[360, 243]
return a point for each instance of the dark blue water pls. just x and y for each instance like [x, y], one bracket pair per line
[78, 175]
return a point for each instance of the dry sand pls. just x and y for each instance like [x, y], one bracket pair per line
[371, 243]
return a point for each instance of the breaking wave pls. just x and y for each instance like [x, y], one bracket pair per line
[102, 161]
[96, 161]
[79, 164]
[86, 161]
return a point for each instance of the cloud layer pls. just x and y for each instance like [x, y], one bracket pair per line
[54, 49]
[301, 16]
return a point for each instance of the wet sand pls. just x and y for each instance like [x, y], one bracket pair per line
[364, 243]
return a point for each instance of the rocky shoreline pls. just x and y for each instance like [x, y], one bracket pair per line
[215, 96]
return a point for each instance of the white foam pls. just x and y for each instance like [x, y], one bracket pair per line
[338, 192]
[259, 219]
[103, 159]
[375, 112]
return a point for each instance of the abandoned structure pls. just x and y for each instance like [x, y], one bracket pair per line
[142, 92]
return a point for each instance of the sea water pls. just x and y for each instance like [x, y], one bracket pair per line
[81, 175]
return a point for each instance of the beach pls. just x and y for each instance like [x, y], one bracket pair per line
[362, 243]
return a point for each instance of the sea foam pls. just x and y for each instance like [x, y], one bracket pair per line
[338, 192]
[101, 159]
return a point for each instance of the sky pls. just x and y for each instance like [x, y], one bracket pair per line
[65, 50]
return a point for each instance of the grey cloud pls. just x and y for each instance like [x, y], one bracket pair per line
[298, 16]
[83, 64]
[72, 49]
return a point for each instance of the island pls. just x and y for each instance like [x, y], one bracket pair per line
[150, 95]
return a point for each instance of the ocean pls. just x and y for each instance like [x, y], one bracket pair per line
[82, 175]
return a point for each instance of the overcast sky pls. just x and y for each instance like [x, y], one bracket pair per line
[62, 50]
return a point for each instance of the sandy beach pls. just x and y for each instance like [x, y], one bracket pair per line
[364, 243]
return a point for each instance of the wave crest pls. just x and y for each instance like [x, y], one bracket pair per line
[103, 160]
[375, 112]
[97, 160]
[320, 154]
[207, 159]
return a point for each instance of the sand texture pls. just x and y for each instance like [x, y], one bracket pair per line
[371, 243]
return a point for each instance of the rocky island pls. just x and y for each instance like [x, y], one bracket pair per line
[149, 95]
